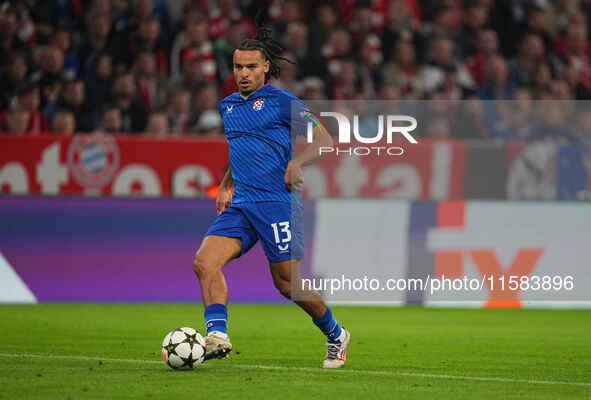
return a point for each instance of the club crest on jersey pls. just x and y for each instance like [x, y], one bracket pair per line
[258, 104]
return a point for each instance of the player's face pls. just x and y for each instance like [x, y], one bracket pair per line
[249, 70]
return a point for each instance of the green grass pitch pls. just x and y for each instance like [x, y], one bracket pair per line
[95, 351]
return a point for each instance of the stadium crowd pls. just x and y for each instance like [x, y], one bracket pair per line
[160, 67]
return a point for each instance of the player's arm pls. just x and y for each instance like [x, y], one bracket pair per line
[294, 177]
[224, 196]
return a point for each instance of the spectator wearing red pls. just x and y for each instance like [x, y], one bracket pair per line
[152, 88]
[488, 46]
[223, 15]
[192, 42]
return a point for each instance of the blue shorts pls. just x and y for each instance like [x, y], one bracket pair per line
[278, 225]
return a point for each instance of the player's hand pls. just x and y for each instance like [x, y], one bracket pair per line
[223, 200]
[294, 176]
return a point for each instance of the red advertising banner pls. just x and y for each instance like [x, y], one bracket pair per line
[125, 165]
[431, 169]
[107, 165]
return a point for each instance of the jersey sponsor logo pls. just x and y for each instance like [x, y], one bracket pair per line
[258, 104]
[229, 109]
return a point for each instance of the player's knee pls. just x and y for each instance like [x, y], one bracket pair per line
[202, 266]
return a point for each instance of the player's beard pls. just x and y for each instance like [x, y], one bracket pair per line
[251, 88]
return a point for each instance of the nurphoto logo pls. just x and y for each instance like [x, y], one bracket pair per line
[349, 133]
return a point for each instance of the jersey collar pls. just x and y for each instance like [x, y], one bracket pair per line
[259, 91]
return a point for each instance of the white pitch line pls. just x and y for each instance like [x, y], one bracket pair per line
[315, 370]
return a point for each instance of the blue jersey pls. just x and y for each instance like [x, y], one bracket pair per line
[259, 132]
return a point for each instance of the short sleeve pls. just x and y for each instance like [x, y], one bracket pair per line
[293, 114]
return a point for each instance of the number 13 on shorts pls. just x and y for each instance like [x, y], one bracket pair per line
[281, 232]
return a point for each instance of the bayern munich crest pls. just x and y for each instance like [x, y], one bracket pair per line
[258, 104]
[93, 159]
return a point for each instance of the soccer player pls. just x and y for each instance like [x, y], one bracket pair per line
[265, 205]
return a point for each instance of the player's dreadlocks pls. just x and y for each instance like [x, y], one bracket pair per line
[269, 47]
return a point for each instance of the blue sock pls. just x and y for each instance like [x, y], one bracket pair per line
[329, 326]
[216, 318]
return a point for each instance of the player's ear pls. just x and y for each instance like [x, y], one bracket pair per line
[266, 66]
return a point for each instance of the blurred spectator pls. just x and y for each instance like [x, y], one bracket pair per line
[523, 67]
[400, 24]
[97, 41]
[120, 16]
[192, 77]
[99, 81]
[288, 79]
[433, 74]
[148, 40]
[320, 30]
[206, 98]
[63, 122]
[542, 80]
[370, 54]
[337, 47]
[15, 121]
[50, 76]
[450, 88]
[179, 112]
[151, 86]
[487, 47]
[475, 20]
[12, 77]
[470, 123]
[74, 99]
[402, 72]
[28, 100]
[537, 24]
[126, 98]
[571, 75]
[111, 121]
[62, 40]
[221, 15]
[14, 36]
[497, 84]
[554, 116]
[158, 125]
[313, 89]
[515, 122]
[225, 45]
[193, 42]
[389, 92]
[296, 41]
[346, 83]
[210, 124]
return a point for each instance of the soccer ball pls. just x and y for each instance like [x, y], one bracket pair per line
[183, 348]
